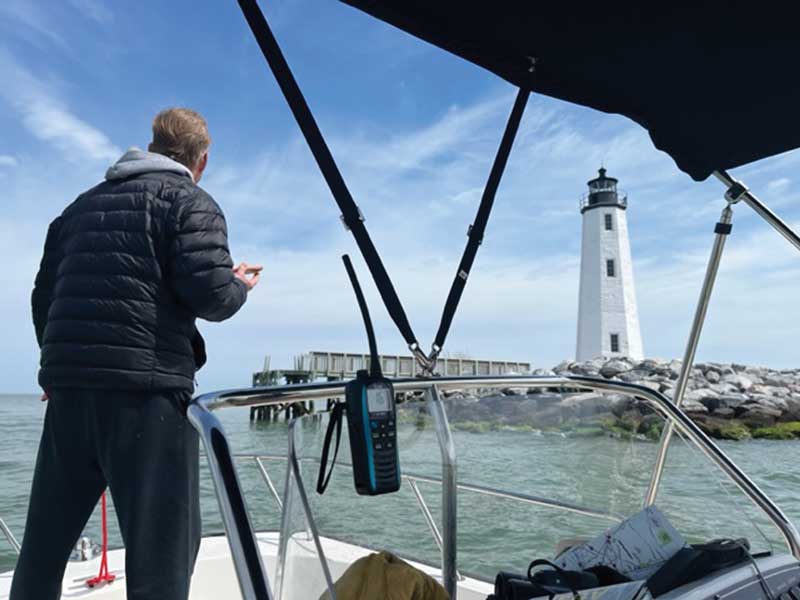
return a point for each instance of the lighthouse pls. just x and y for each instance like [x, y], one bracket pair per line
[608, 319]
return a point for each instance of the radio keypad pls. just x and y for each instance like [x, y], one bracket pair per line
[383, 442]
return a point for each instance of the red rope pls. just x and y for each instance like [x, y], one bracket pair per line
[103, 576]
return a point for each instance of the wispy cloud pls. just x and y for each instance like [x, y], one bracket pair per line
[95, 10]
[7, 160]
[50, 121]
[521, 300]
[779, 185]
[418, 180]
[48, 118]
[27, 20]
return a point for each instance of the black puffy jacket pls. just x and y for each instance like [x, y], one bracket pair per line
[127, 268]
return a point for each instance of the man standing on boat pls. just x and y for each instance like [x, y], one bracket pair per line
[127, 269]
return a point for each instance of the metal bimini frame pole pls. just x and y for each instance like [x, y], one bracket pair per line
[722, 230]
[447, 448]
[738, 191]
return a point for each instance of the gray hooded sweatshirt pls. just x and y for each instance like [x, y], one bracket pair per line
[136, 161]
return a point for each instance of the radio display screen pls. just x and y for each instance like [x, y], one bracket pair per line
[379, 399]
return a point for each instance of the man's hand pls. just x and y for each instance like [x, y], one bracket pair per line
[249, 274]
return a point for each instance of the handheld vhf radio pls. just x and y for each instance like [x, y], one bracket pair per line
[371, 420]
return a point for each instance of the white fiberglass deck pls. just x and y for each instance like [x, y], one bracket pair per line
[215, 579]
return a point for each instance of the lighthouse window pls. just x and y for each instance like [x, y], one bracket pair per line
[609, 223]
[610, 268]
[615, 342]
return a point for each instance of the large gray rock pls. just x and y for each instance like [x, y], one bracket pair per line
[732, 400]
[586, 405]
[563, 366]
[589, 369]
[774, 379]
[705, 396]
[700, 394]
[656, 366]
[637, 375]
[792, 411]
[614, 367]
[769, 401]
[674, 368]
[653, 385]
[514, 391]
[756, 415]
[548, 398]
[772, 390]
[713, 376]
[552, 416]
[724, 388]
[740, 381]
[621, 404]
[692, 406]
[543, 372]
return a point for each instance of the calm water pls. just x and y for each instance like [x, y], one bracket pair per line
[603, 473]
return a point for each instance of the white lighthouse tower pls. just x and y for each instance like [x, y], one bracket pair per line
[608, 320]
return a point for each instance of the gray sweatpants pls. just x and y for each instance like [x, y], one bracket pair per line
[141, 446]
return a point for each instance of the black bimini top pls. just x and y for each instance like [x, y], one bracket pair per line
[717, 84]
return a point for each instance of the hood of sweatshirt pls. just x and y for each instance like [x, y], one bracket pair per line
[136, 161]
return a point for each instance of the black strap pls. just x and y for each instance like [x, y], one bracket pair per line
[560, 580]
[334, 423]
[478, 228]
[350, 214]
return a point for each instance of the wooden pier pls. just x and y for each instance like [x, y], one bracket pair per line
[336, 366]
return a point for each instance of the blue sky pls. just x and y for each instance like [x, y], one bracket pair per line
[414, 130]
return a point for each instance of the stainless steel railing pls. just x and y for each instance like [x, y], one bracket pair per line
[241, 538]
[414, 479]
[12, 541]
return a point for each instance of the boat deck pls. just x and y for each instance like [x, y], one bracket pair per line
[215, 578]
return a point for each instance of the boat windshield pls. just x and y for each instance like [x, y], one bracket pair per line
[536, 470]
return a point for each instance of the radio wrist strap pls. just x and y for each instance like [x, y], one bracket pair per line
[335, 423]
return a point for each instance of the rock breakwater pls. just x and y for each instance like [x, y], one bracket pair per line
[728, 401]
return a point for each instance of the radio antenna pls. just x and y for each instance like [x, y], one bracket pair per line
[374, 359]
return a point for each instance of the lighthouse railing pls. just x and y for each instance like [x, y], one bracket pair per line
[620, 200]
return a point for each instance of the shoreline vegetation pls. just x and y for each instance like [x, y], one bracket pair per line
[727, 401]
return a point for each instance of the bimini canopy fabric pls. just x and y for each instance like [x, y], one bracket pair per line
[717, 84]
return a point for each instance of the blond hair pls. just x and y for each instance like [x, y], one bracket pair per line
[181, 134]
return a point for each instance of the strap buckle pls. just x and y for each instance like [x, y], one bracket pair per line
[469, 234]
[422, 359]
[344, 219]
[433, 357]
